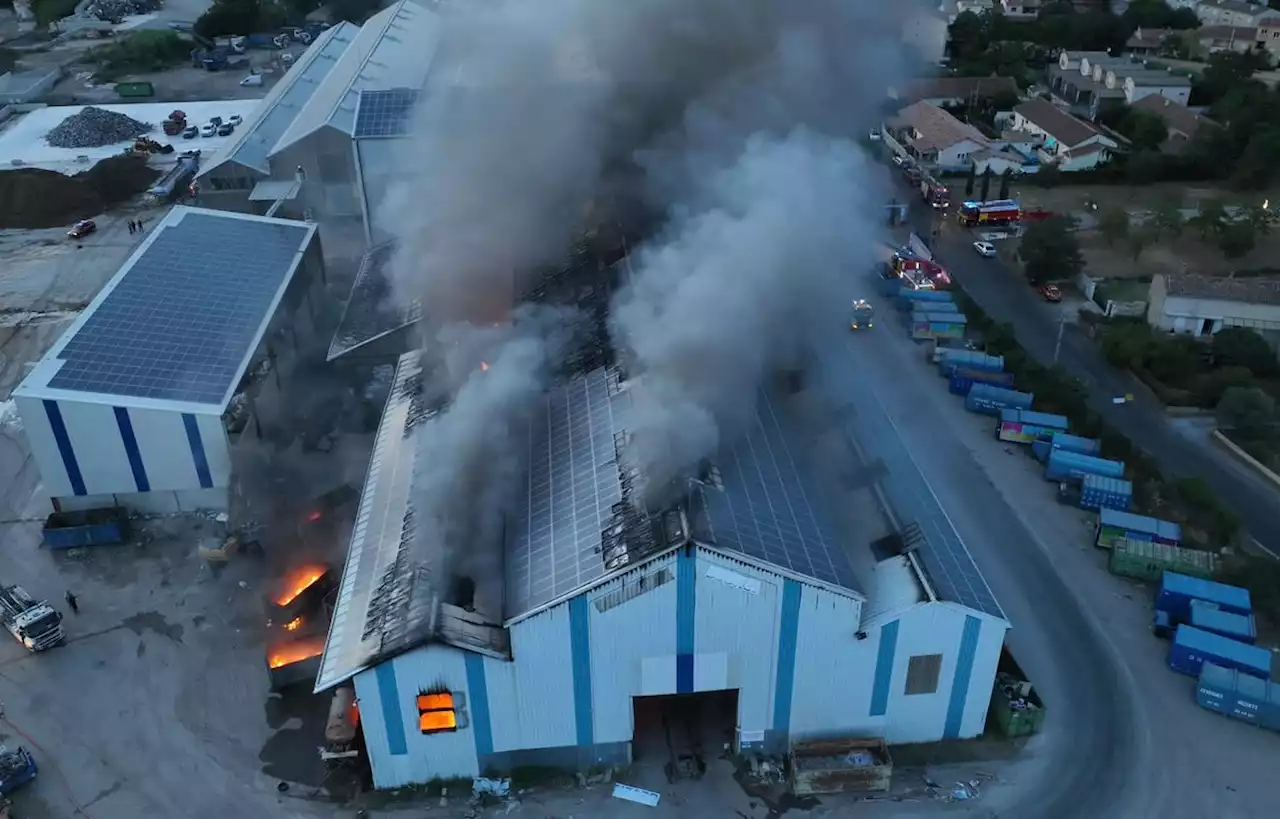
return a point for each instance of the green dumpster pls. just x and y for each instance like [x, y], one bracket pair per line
[1146, 560]
[1016, 706]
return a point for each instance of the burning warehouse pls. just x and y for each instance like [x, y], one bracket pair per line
[742, 598]
[297, 615]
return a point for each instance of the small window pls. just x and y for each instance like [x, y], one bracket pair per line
[923, 671]
[436, 713]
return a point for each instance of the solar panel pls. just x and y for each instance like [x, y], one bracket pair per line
[766, 507]
[388, 113]
[178, 325]
[573, 486]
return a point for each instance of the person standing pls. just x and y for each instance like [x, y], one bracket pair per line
[130, 227]
[71, 601]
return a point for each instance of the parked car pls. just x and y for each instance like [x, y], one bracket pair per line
[226, 129]
[234, 120]
[208, 129]
[82, 229]
[1051, 292]
[190, 132]
[900, 160]
[985, 249]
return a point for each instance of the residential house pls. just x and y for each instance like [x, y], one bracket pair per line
[925, 30]
[1137, 82]
[975, 6]
[1016, 152]
[1020, 8]
[1234, 13]
[1073, 84]
[1203, 305]
[954, 92]
[1212, 39]
[1269, 37]
[1066, 141]
[1148, 41]
[933, 137]
[1182, 123]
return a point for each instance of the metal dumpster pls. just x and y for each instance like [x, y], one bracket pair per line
[92, 527]
[840, 766]
[1016, 706]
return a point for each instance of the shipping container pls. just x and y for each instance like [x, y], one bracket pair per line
[1192, 648]
[1239, 696]
[1025, 427]
[840, 766]
[937, 325]
[1071, 443]
[1162, 625]
[951, 359]
[991, 400]
[1098, 493]
[1145, 560]
[1063, 465]
[1209, 617]
[1114, 525]
[962, 380]
[905, 305]
[926, 295]
[1177, 590]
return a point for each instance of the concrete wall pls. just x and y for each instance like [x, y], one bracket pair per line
[92, 455]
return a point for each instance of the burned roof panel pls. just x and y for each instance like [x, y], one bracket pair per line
[371, 312]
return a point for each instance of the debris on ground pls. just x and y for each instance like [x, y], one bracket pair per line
[95, 127]
[483, 786]
[640, 796]
[33, 198]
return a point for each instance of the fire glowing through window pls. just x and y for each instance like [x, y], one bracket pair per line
[299, 582]
[436, 713]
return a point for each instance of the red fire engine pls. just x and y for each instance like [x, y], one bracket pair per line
[935, 193]
[915, 271]
[998, 212]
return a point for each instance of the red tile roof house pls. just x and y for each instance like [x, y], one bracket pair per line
[1070, 143]
[933, 137]
[1182, 123]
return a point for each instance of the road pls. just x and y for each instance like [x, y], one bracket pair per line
[1005, 296]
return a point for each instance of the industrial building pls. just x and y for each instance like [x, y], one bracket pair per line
[743, 592]
[139, 402]
[308, 119]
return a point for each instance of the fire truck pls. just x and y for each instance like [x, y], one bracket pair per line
[998, 212]
[914, 269]
[935, 193]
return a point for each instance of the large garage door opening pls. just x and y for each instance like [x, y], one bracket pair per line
[681, 733]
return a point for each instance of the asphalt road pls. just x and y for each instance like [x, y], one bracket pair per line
[1004, 294]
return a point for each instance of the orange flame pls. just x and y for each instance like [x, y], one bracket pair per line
[295, 652]
[484, 366]
[299, 582]
[314, 516]
[294, 624]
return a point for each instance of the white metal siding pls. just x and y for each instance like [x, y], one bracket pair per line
[834, 670]
[985, 660]
[35, 425]
[531, 698]
[95, 439]
[642, 628]
[927, 629]
[743, 626]
[428, 757]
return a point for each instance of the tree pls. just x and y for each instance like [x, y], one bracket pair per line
[1156, 14]
[1147, 131]
[1126, 345]
[1049, 175]
[1242, 347]
[1176, 360]
[973, 175]
[1005, 179]
[1113, 224]
[1210, 219]
[1227, 71]
[1051, 251]
[1262, 219]
[1166, 219]
[1237, 239]
[1255, 167]
[1248, 410]
[986, 184]
[1140, 239]
[231, 17]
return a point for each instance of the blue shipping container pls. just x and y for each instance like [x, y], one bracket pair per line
[962, 380]
[1140, 527]
[905, 304]
[1071, 443]
[926, 295]
[1208, 617]
[1239, 696]
[1025, 426]
[1178, 590]
[937, 325]
[1191, 648]
[1098, 492]
[989, 400]
[1063, 465]
[951, 360]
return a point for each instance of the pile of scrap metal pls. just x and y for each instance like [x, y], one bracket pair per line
[17, 768]
[297, 621]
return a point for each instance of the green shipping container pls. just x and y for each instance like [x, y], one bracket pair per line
[1145, 560]
[1016, 706]
[135, 90]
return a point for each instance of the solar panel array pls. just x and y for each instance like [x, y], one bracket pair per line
[382, 114]
[766, 507]
[947, 562]
[572, 483]
[180, 322]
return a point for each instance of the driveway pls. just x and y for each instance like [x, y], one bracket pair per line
[1005, 296]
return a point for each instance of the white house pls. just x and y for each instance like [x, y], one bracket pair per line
[1203, 305]
[1070, 143]
[933, 137]
[1234, 13]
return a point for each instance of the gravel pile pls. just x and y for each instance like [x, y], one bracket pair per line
[93, 128]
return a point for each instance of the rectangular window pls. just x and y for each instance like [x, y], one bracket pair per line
[923, 671]
[436, 713]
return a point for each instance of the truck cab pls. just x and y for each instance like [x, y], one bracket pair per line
[863, 315]
[34, 623]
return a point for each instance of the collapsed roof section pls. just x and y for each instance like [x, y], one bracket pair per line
[371, 312]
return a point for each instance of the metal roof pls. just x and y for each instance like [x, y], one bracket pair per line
[180, 321]
[370, 312]
[256, 137]
[393, 49]
[762, 504]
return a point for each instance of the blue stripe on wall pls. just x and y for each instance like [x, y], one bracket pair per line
[197, 450]
[131, 450]
[580, 652]
[392, 718]
[478, 698]
[785, 684]
[686, 592]
[964, 673]
[884, 669]
[60, 437]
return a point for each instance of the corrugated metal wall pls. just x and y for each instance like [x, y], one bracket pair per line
[531, 699]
